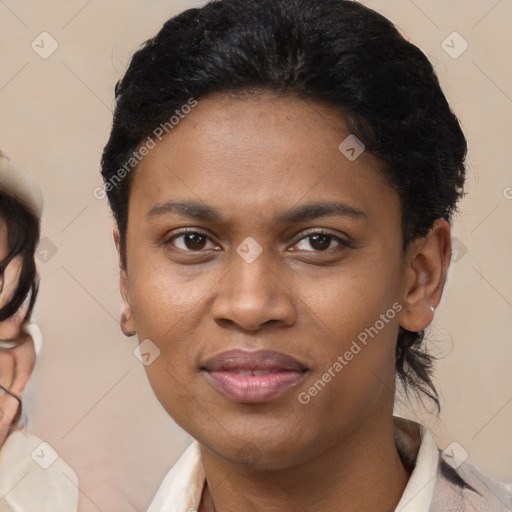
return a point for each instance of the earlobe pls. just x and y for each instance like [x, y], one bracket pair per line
[126, 317]
[426, 266]
[126, 320]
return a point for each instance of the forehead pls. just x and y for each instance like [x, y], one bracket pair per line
[257, 153]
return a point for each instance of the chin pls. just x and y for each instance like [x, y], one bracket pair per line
[254, 450]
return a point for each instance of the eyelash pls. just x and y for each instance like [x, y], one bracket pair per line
[342, 242]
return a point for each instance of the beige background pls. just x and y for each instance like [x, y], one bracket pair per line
[89, 394]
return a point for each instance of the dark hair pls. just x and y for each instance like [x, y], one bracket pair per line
[22, 239]
[332, 51]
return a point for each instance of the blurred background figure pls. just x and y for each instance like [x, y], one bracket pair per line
[21, 205]
[32, 475]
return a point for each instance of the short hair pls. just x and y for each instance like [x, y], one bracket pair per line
[336, 52]
[22, 238]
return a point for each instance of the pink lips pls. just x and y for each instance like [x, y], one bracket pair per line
[253, 377]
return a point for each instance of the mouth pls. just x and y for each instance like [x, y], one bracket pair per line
[253, 377]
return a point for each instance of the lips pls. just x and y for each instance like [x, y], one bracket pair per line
[253, 377]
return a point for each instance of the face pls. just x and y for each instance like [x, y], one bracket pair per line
[10, 329]
[280, 258]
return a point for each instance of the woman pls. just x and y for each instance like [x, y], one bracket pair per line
[283, 174]
[20, 211]
[32, 476]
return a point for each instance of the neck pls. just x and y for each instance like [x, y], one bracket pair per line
[362, 472]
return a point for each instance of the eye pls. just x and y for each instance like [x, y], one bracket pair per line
[320, 241]
[196, 241]
[190, 241]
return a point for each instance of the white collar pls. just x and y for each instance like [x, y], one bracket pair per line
[182, 488]
[419, 491]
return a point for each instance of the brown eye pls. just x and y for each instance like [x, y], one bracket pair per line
[190, 241]
[320, 242]
[194, 241]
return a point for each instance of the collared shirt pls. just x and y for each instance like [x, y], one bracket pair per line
[439, 481]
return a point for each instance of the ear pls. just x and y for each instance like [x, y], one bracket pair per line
[426, 265]
[126, 320]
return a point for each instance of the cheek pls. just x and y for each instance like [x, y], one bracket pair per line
[10, 280]
[170, 308]
[358, 347]
[11, 329]
[8, 330]
[356, 370]
[163, 296]
[350, 301]
[358, 311]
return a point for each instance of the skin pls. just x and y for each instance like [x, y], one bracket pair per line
[16, 364]
[250, 159]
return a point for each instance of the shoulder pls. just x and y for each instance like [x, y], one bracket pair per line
[465, 487]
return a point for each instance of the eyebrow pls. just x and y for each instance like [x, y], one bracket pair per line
[305, 212]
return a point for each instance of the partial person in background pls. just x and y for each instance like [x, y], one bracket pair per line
[30, 480]
[21, 205]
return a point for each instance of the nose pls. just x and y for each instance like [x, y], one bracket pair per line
[253, 294]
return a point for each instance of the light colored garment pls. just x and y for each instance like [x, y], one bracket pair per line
[435, 484]
[33, 478]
